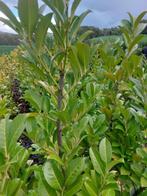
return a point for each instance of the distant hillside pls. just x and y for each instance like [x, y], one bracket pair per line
[97, 32]
[13, 39]
[9, 39]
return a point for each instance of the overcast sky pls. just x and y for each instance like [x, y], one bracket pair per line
[105, 13]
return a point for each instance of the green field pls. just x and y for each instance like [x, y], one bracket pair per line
[113, 38]
[4, 49]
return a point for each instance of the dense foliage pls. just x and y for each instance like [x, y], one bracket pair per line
[87, 121]
[11, 72]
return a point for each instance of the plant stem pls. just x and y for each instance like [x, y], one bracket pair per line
[60, 99]
[61, 86]
[4, 179]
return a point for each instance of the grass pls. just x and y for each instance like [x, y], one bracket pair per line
[4, 49]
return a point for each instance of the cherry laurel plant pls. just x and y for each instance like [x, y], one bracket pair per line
[84, 96]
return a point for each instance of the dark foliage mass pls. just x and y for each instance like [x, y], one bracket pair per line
[22, 105]
[144, 51]
[26, 142]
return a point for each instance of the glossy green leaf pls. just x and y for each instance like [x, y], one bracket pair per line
[32, 193]
[74, 170]
[75, 187]
[34, 99]
[139, 18]
[83, 55]
[90, 189]
[131, 17]
[28, 11]
[77, 20]
[15, 129]
[57, 35]
[55, 10]
[135, 41]
[143, 182]
[13, 186]
[41, 30]
[53, 175]
[105, 150]
[3, 138]
[96, 161]
[108, 192]
[75, 65]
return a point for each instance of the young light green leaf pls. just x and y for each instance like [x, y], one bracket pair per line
[74, 170]
[53, 175]
[83, 56]
[131, 18]
[139, 18]
[54, 156]
[77, 20]
[135, 42]
[96, 161]
[108, 192]
[143, 182]
[105, 150]
[74, 62]
[3, 137]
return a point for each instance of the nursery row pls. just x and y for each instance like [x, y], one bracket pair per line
[73, 114]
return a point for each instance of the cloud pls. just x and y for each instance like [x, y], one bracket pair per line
[5, 28]
[10, 2]
[105, 13]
